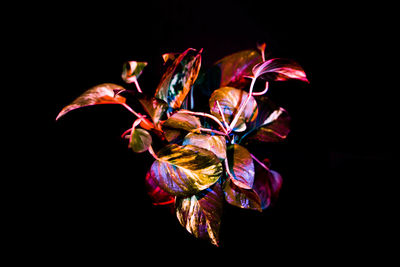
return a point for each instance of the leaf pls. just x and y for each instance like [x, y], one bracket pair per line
[235, 67]
[140, 140]
[267, 185]
[157, 195]
[230, 100]
[214, 143]
[179, 78]
[185, 170]
[153, 106]
[201, 214]
[241, 166]
[240, 197]
[272, 123]
[169, 56]
[106, 93]
[279, 69]
[131, 70]
[182, 121]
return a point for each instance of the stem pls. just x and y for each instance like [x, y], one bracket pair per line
[263, 92]
[151, 151]
[211, 131]
[243, 105]
[135, 81]
[223, 117]
[206, 115]
[259, 162]
[140, 116]
[227, 169]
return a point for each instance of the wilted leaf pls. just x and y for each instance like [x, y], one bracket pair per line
[240, 197]
[140, 140]
[157, 195]
[177, 81]
[201, 214]
[185, 170]
[214, 143]
[106, 93]
[267, 185]
[153, 106]
[241, 166]
[182, 121]
[230, 100]
[235, 67]
[131, 70]
[279, 69]
[272, 123]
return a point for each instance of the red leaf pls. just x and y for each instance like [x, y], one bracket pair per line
[279, 69]
[157, 195]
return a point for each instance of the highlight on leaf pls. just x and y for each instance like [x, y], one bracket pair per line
[106, 93]
[131, 71]
[279, 69]
[140, 140]
[214, 143]
[201, 214]
[185, 170]
[241, 166]
[157, 195]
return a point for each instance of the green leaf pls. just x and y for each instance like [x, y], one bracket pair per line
[140, 140]
[179, 78]
[241, 166]
[214, 143]
[185, 170]
[230, 99]
[201, 214]
[153, 106]
[234, 68]
[131, 70]
[106, 93]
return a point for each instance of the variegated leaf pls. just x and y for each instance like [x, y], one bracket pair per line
[106, 93]
[240, 197]
[214, 143]
[157, 195]
[153, 106]
[182, 121]
[230, 99]
[201, 214]
[241, 166]
[131, 70]
[179, 78]
[279, 69]
[185, 170]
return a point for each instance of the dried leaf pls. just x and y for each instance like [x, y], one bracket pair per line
[214, 143]
[106, 93]
[241, 166]
[179, 78]
[201, 214]
[131, 70]
[279, 69]
[230, 100]
[234, 68]
[185, 170]
[157, 195]
[140, 140]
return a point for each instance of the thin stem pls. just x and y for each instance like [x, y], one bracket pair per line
[151, 151]
[259, 162]
[211, 131]
[262, 92]
[227, 169]
[223, 117]
[243, 105]
[206, 115]
[140, 116]
[135, 81]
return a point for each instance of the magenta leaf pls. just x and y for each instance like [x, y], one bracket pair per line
[157, 195]
[279, 69]
[241, 166]
[131, 70]
[201, 214]
[267, 185]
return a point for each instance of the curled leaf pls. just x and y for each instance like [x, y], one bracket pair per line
[278, 69]
[140, 140]
[157, 195]
[230, 99]
[179, 78]
[201, 214]
[241, 166]
[106, 93]
[131, 70]
[185, 170]
[234, 68]
[214, 143]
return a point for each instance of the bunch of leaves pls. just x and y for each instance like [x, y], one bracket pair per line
[201, 160]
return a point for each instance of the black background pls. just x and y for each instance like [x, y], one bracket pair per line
[88, 201]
